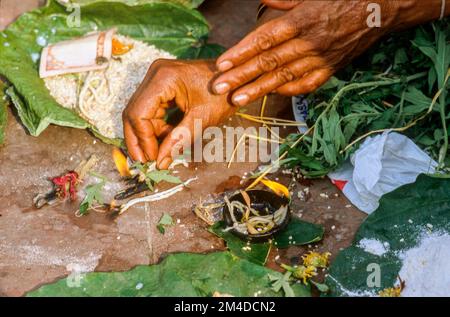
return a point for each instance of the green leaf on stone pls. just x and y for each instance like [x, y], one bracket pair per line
[254, 252]
[178, 275]
[298, 232]
[166, 220]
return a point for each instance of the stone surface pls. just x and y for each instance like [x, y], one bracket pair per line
[39, 246]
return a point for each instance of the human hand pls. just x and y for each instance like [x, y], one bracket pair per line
[281, 4]
[299, 51]
[169, 82]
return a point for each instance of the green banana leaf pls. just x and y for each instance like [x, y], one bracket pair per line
[403, 216]
[179, 275]
[3, 112]
[172, 27]
[187, 3]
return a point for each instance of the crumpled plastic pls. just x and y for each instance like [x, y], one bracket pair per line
[380, 165]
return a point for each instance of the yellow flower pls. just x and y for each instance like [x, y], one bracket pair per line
[316, 259]
[304, 273]
[391, 292]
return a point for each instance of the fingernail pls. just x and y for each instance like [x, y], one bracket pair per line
[241, 100]
[224, 66]
[164, 164]
[222, 88]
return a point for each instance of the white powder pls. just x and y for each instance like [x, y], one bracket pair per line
[352, 293]
[374, 246]
[426, 268]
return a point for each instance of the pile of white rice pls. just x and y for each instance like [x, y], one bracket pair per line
[114, 87]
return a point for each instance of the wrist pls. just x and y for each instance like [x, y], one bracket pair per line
[409, 13]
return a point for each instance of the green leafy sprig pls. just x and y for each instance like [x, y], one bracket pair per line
[400, 85]
[94, 194]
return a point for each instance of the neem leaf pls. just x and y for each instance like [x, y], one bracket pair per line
[282, 282]
[254, 252]
[323, 288]
[93, 194]
[158, 176]
[166, 220]
[161, 229]
[168, 26]
[178, 275]
[400, 220]
[298, 232]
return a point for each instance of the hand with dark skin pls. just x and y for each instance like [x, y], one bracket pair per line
[184, 83]
[299, 51]
[294, 52]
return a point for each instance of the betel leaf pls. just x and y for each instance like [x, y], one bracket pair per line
[254, 252]
[178, 275]
[3, 112]
[297, 232]
[169, 26]
[402, 218]
[187, 3]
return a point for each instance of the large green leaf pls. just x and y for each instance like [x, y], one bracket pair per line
[297, 232]
[255, 252]
[401, 219]
[174, 28]
[3, 112]
[183, 274]
[187, 3]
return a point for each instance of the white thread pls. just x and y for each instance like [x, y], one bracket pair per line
[442, 9]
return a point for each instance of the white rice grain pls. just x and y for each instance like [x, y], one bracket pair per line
[124, 75]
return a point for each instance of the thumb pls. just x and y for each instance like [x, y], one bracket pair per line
[176, 142]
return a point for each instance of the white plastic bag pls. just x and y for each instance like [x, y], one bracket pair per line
[381, 164]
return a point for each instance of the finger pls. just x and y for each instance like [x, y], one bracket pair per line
[160, 113]
[307, 84]
[140, 113]
[281, 4]
[146, 138]
[180, 137]
[262, 63]
[132, 143]
[161, 127]
[262, 39]
[273, 80]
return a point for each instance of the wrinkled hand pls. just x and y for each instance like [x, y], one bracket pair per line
[170, 82]
[299, 51]
[281, 4]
